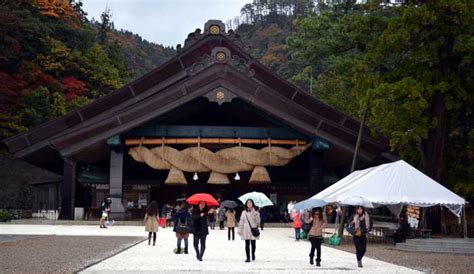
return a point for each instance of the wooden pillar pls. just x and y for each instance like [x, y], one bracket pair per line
[316, 171]
[68, 188]
[116, 183]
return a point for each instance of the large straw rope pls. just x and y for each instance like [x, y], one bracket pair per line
[228, 160]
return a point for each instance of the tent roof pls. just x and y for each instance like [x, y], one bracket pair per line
[393, 183]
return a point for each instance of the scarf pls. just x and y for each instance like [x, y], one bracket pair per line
[357, 221]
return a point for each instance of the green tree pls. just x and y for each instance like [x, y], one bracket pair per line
[420, 70]
[413, 63]
[99, 69]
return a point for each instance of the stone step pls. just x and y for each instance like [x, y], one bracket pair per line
[435, 249]
[442, 242]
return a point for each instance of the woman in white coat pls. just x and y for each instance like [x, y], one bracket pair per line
[250, 218]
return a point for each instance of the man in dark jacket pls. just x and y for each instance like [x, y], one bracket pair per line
[400, 235]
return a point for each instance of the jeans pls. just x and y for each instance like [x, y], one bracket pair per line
[360, 243]
[315, 245]
[297, 233]
[202, 239]
[231, 230]
[185, 244]
[247, 248]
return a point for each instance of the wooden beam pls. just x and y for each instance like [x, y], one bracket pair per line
[191, 141]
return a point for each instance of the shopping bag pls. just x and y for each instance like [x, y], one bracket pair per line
[334, 240]
[163, 222]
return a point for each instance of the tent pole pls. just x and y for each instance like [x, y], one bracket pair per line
[443, 222]
[464, 221]
[340, 231]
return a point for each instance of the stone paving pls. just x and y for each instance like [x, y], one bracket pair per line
[277, 251]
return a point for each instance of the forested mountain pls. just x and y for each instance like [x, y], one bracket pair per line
[52, 60]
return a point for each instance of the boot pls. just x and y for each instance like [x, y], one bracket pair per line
[318, 262]
[149, 241]
[185, 250]
[253, 256]
[178, 250]
[311, 260]
[154, 242]
[359, 263]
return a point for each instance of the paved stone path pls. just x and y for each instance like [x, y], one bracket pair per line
[277, 251]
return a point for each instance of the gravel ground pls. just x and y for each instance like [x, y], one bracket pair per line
[29, 253]
[427, 262]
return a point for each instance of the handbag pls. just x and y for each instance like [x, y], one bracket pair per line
[254, 230]
[182, 227]
[334, 240]
[350, 227]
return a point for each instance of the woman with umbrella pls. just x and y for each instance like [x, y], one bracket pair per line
[200, 229]
[199, 217]
[318, 221]
[249, 220]
[361, 223]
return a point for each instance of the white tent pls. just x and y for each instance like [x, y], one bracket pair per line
[396, 183]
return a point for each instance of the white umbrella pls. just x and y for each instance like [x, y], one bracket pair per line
[309, 203]
[259, 199]
[357, 201]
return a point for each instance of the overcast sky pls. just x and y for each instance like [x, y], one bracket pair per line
[166, 22]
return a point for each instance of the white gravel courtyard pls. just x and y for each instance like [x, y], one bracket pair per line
[277, 251]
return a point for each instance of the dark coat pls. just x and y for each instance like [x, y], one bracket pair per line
[200, 223]
[182, 217]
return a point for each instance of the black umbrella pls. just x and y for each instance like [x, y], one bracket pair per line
[180, 199]
[229, 204]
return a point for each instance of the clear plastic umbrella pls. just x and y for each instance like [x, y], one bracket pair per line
[357, 201]
[259, 199]
[309, 203]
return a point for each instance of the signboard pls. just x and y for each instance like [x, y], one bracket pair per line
[142, 199]
[413, 216]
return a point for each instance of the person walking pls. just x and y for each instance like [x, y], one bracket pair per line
[102, 215]
[263, 217]
[296, 216]
[221, 214]
[249, 219]
[318, 221]
[212, 218]
[151, 221]
[200, 229]
[181, 227]
[230, 216]
[362, 226]
[164, 213]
